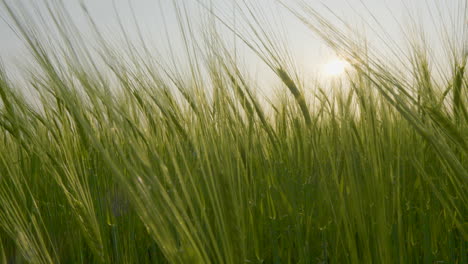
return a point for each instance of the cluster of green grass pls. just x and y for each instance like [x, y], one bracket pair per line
[120, 159]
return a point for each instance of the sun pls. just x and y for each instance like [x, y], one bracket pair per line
[335, 67]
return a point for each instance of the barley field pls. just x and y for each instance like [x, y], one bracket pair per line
[114, 156]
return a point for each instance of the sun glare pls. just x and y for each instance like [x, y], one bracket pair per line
[335, 67]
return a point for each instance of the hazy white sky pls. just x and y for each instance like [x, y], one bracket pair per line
[308, 51]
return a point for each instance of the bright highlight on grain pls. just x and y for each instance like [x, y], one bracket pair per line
[335, 67]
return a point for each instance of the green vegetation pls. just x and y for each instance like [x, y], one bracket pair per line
[128, 160]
